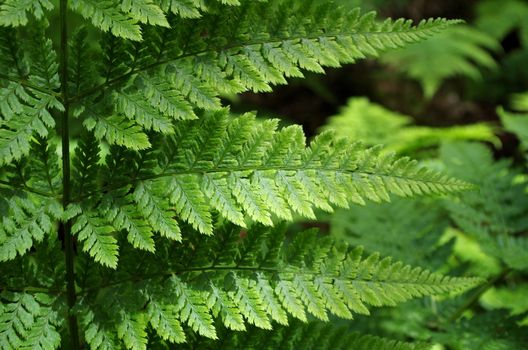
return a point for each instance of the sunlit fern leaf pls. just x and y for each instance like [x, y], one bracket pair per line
[108, 15]
[258, 172]
[511, 298]
[98, 237]
[15, 12]
[117, 130]
[373, 124]
[239, 55]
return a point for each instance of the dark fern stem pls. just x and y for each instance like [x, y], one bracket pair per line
[65, 227]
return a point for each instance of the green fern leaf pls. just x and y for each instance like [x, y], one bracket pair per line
[118, 131]
[391, 228]
[265, 173]
[192, 309]
[516, 123]
[495, 223]
[157, 211]
[28, 322]
[458, 51]
[223, 306]
[134, 108]
[97, 237]
[304, 336]
[107, 16]
[183, 80]
[15, 12]
[131, 330]
[145, 11]
[240, 284]
[27, 220]
[373, 124]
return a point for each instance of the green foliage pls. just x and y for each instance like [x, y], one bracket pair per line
[373, 124]
[517, 123]
[492, 331]
[238, 278]
[395, 228]
[496, 214]
[152, 223]
[241, 167]
[459, 51]
[305, 336]
[512, 298]
[476, 232]
[28, 322]
[500, 19]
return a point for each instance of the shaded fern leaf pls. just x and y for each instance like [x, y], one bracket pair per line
[29, 322]
[26, 219]
[240, 280]
[496, 214]
[25, 110]
[303, 336]
[394, 228]
[485, 331]
[198, 60]
[458, 51]
[517, 123]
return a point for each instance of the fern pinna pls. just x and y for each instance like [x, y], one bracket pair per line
[138, 211]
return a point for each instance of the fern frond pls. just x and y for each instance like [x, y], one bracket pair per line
[81, 67]
[485, 331]
[134, 108]
[243, 167]
[241, 280]
[27, 219]
[44, 165]
[394, 228]
[495, 214]
[97, 236]
[165, 321]
[25, 111]
[107, 15]
[15, 12]
[509, 298]
[160, 216]
[500, 19]
[117, 130]
[458, 51]
[29, 322]
[145, 11]
[240, 55]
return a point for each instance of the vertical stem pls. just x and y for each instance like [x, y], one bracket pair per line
[65, 227]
